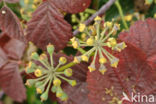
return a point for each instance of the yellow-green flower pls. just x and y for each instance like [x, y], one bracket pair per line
[47, 74]
[102, 38]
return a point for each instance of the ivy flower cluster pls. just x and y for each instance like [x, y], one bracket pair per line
[97, 37]
[47, 75]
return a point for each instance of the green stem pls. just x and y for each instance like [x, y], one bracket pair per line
[4, 2]
[121, 13]
[66, 66]
[81, 50]
[92, 11]
[51, 60]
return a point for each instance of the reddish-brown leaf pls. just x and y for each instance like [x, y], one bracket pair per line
[142, 35]
[77, 94]
[48, 26]
[72, 6]
[3, 58]
[11, 82]
[133, 75]
[11, 1]
[10, 24]
[14, 49]
[3, 39]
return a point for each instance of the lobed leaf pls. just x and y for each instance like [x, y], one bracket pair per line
[11, 82]
[133, 75]
[142, 35]
[15, 49]
[48, 26]
[72, 6]
[3, 58]
[10, 24]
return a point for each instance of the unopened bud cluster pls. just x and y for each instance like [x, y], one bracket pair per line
[27, 7]
[81, 17]
[47, 75]
[97, 37]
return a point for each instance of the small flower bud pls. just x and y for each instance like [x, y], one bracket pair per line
[91, 68]
[90, 41]
[30, 82]
[34, 56]
[77, 59]
[98, 18]
[114, 62]
[40, 89]
[62, 60]
[30, 68]
[74, 18]
[31, 65]
[44, 96]
[38, 73]
[34, 6]
[57, 82]
[50, 49]
[43, 57]
[112, 41]
[53, 89]
[83, 36]
[72, 82]
[108, 24]
[82, 27]
[155, 15]
[84, 58]
[59, 94]
[64, 97]
[108, 44]
[102, 69]
[73, 39]
[93, 30]
[102, 60]
[128, 17]
[68, 72]
[120, 46]
[116, 27]
[75, 44]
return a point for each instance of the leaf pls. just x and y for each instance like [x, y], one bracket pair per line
[3, 39]
[11, 82]
[15, 49]
[77, 94]
[48, 26]
[3, 58]
[142, 35]
[11, 1]
[10, 24]
[133, 75]
[72, 6]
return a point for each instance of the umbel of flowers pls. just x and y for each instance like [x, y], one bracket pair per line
[97, 37]
[47, 75]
